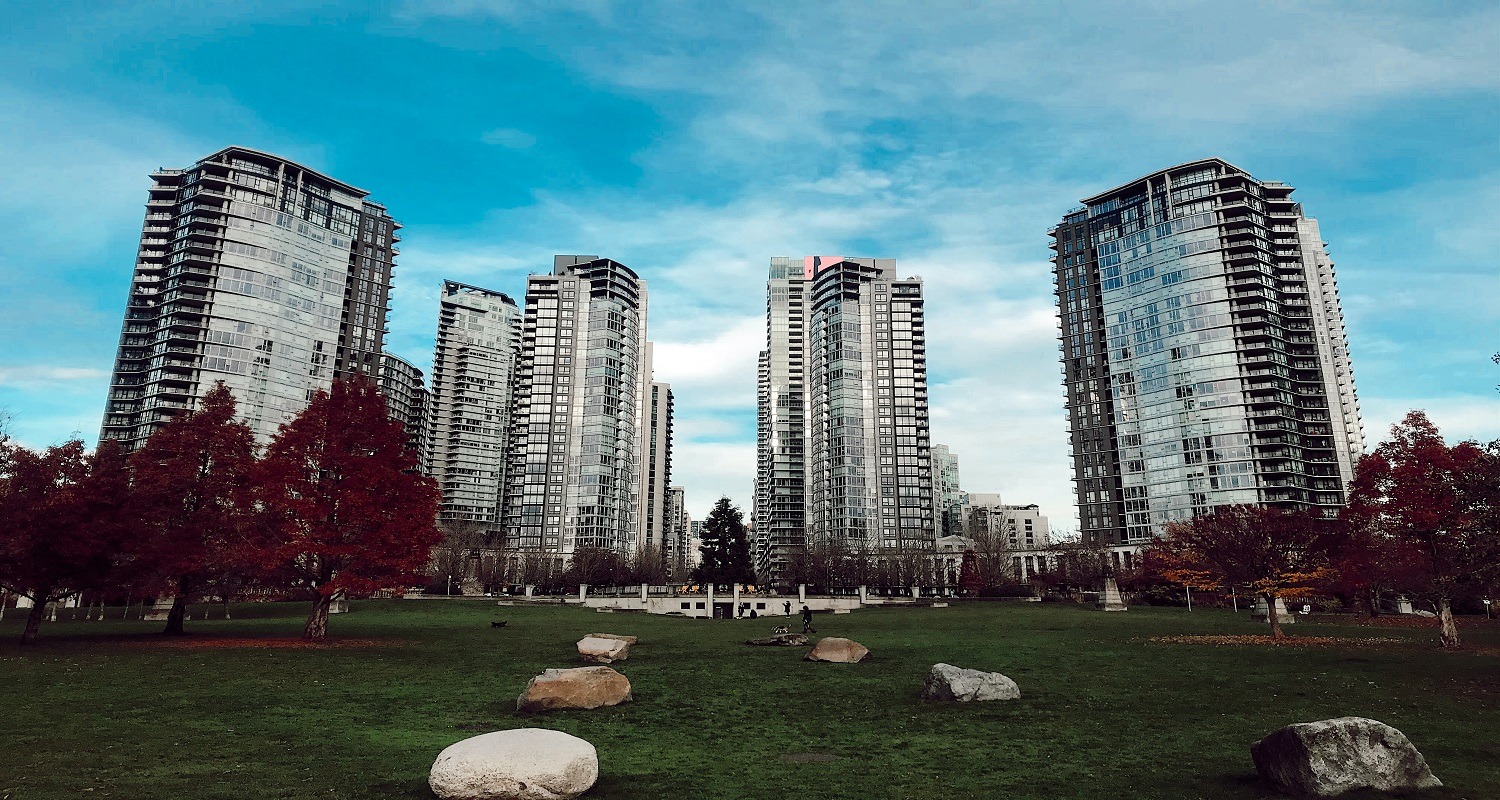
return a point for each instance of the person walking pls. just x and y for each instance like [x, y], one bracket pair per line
[787, 608]
[807, 620]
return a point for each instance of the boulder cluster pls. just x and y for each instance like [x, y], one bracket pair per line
[1311, 759]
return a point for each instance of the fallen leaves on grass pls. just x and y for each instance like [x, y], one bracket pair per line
[1290, 641]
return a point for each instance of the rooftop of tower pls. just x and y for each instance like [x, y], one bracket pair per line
[234, 148]
[1213, 160]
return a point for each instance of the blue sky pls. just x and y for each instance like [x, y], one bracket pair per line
[694, 141]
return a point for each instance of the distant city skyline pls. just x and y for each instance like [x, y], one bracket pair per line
[696, 141]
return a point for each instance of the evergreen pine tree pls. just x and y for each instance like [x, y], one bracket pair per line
[726, 547]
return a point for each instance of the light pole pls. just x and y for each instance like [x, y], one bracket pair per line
[1487, 612]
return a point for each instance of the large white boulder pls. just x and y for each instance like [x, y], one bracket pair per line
[599, 650]
[1333, 756]
[582, 687]
[838, 651]
[522, 764]
[947, 682]
[622, 637]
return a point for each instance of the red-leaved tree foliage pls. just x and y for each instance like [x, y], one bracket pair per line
[61, 522]
[342, 513]
[969, 579]
[192, 503]
[1274, 552]
[1435, 506]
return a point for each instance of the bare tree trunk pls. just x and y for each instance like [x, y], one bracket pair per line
[34, 619]
[1445, 618]
[1271, 616]
[317, 621]
[174, 617]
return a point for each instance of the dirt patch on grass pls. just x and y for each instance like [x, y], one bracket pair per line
[268, 643]
[1290, 641]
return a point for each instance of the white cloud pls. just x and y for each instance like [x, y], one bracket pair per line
[710, 471]
[1457, 418]
[716, 373]
[35, 376]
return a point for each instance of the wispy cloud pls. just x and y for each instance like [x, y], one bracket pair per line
[41, 376]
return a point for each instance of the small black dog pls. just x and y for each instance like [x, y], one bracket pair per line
[499, 624]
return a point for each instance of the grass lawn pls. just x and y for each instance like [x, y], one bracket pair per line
[106, 709]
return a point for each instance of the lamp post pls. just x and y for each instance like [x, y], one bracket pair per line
[1487, 612]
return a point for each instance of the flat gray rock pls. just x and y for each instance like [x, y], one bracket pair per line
[522, 764]
[1333, 756]
[947, 682]
[599, 650]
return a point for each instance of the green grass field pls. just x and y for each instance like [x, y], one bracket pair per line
[104, 709]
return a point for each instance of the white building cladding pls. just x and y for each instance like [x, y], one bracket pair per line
[574, 454]
[781, 420]
[473, 375]
[656, 471]
[869, 463]
[255, 271]
[406, 401]
[1204, 352]
[1018, 527]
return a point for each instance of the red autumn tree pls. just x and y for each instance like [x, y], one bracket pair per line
[1274, 552]
[342, 511]
[970, 582]
[192, 502]
[1436, 506]
[61, 522]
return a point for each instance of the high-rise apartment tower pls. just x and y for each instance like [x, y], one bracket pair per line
[656, 469]
[1203, 352]
[781, 420]
[255, 271]
[950, 498]
[580, 390]
[843, 448]
[406, 401]
[473, 376]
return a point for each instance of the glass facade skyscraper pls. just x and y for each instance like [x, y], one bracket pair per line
[951, 499]
[574, 455]
[869, 455]
[406, 399]
[1203, 352]
[781, 420]
[473, 378]
[656, 469]
[255, 271]
[843, 443]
